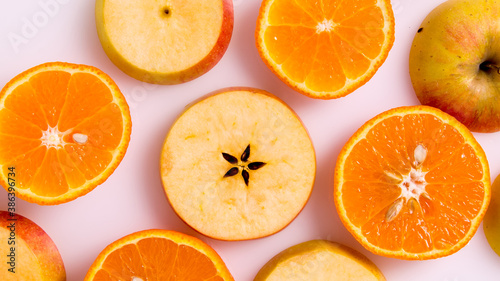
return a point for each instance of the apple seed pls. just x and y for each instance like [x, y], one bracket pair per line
[233, 171]
[244, 168]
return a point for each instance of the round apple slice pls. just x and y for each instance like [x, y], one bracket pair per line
[238, 165]
[164, 42]
[319, 260]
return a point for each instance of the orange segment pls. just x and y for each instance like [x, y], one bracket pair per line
[64, 128]
[13, 125]
[412, 183]
[284, 12]
[158, 255]
[104, 128]
[49, 179]
[29, 163]
[90, 161]
[9, 152]
[281, 52]
[23, 101]
[324, 49]
[87, 94]
[50, 89]
[347, 9]
[354, 64]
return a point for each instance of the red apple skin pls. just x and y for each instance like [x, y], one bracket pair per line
[449, 62]
[168, 78]
[42, 246]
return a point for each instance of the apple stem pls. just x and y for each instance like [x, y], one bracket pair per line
[491, 65]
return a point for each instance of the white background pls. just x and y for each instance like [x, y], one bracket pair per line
[132, 199]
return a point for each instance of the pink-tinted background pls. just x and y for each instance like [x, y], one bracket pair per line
[132, 199]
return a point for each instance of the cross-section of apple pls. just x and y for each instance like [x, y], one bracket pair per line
[164, 42]
[28, 251]
[238, 165]
[319, 260]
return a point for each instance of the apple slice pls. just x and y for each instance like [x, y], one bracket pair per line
[238, 165]
[319, 260]
[164, 42]
[28, 252]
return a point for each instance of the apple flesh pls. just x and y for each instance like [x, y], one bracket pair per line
[164, 42]
[319, 260]
[455, 62]
[238, 165]
[31, 254]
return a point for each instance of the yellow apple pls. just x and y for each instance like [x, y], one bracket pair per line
[319, 260]
[455, 62]
[27, 251]
[491, 221]
[238, 165]
[164, 42]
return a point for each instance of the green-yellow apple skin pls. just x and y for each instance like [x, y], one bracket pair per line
[491, 220]
[28, 252]
[455, 62]
[164, 42]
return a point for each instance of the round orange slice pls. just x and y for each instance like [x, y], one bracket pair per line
[412, 183]
[325, 49]
[64, 128]
[158, 255]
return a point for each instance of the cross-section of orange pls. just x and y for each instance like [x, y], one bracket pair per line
[158, 255]
[325, 49]
[64, 128]
[412, 183]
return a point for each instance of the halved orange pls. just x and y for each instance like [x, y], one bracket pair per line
[325, 49]
[412, 183]
[64, 128]
[158, 255]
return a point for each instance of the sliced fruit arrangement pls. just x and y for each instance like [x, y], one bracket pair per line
[164, 42]
[64, 128]
[28, 251]
[455, 62]
[412, 183]
[325, 49]
[491, 221]
[158, 255]
[238, 165]
[319, 260]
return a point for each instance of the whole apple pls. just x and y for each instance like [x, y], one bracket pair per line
[455, 62]
[28, 251]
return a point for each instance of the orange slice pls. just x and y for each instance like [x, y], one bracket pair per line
[158, 255]
[64, 128]
[325, 49]
[412, 183]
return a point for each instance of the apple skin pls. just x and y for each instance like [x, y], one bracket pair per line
[167, 78]
[41, 246]
[491, 220]
[454, 62]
